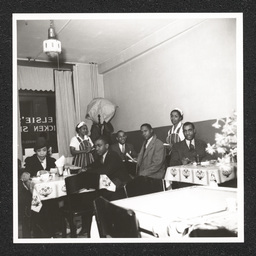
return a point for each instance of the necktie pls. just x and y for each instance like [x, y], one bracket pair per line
[123, 148]
[102, 160]
[191, 146]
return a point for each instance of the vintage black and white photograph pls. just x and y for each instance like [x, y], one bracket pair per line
[128, 128]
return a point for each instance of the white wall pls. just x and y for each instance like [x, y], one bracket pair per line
[194, 71]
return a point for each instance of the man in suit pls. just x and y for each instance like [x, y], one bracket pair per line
[121, 148]
[151, 159]
[109, 163]
[189, 149]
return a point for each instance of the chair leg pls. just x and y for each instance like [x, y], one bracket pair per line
[72, 226]
[64, 227]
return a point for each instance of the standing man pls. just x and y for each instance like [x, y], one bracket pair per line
[186, 151]
[151, 159]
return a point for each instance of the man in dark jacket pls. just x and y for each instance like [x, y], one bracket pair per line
[189, 149]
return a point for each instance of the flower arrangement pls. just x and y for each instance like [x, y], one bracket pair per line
[226, 141]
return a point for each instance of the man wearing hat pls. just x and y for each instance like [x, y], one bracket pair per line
[40, 160]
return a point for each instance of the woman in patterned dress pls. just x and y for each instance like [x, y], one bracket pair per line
[81, 147]
[175, 134]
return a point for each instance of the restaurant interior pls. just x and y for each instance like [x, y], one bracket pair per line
[117, 72]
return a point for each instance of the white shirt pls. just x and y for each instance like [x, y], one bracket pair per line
[75, 143]
[104, 156]
[121, 147]
[43, 163]
[148, 141]
[192, 142]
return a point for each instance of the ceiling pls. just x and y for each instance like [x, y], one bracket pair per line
[85, 40]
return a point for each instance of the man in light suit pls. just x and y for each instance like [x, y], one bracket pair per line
[151, 159]
[189, 149]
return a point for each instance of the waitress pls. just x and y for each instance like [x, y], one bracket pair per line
[81, 146]
[175, 134]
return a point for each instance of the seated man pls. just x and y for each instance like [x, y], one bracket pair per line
[151, 159]
[122, 149]
[109, 163]
[189, 149]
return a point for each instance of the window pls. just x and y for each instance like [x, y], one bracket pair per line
[37, 118]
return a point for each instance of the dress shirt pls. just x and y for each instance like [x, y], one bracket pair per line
[192, 142]
[148, 141]
[43, 162]
[122, 147]
[103, 157]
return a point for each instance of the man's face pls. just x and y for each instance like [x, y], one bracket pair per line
[146, 132]
[189, 132]
[121, 137]
[101, 147]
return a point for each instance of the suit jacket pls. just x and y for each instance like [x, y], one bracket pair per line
[152, 162]
[33, 165]
[128, 149]
[181, 150]
[113, 167]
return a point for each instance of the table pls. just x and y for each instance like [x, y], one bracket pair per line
[55, 187]
[174, 213]
[201, 174]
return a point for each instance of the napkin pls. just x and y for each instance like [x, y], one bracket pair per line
[60, 162]
[106, 183]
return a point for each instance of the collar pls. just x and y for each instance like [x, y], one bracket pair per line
[104, 156]
[192, 142]
[177, 127]
[86, 137]
[148, 141]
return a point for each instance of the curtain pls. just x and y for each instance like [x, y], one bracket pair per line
[94, 80]
[36, 79]
[20, 155]
[65, 110]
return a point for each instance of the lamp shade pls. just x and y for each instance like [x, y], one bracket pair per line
[52, 47]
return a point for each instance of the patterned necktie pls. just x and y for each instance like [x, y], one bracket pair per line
[123, 148]
[191, 146]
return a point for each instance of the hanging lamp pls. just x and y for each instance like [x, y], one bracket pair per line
[52, 46]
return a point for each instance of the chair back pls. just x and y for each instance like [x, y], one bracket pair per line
[83, 180]
[142, 185]
[114, 221]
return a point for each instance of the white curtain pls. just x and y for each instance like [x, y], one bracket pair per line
[94, 80]
[36, 79]
[20, 155]
[65, 110]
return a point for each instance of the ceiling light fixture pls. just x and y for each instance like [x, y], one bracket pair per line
[52, 46]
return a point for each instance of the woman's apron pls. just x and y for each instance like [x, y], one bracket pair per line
[173, 138]
[84, 159]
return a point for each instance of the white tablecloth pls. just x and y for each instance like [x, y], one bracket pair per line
[174, 213]
[204, 175]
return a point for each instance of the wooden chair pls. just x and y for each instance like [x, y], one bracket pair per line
[114, 221]
[142, 185]
[78, 203]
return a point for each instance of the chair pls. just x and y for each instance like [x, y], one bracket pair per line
[142, 185]
[79, 204]
[114, 221]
